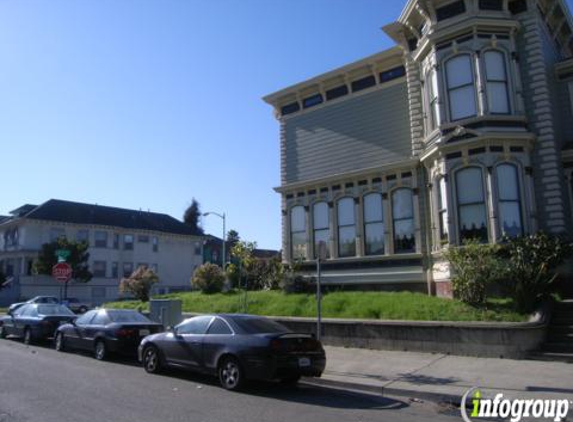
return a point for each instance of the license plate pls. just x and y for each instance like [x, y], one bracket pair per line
[144, 332]
[303, 362]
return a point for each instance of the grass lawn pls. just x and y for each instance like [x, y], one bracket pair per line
[363, 305]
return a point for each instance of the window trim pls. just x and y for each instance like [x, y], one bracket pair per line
[341, 226]
[366, 223]
[443, 232]
[449, 90]
[520, 197]
[315, 230]
[506, 82]
[292, 232]
[394, 219]
[485, 201]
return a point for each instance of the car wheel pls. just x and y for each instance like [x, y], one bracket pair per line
[3, 333]
[231, 375]
[82, 310]
[27, 336]
[100, 350]
[291, 381]
[151, 360]
[60, 342]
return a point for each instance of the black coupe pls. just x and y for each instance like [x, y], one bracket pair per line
[106, 331]
[34, 321]
[235, 348]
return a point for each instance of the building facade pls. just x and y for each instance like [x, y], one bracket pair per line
[463, 130]
[119, 241]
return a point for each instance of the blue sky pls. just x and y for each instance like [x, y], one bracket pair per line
[149, 103]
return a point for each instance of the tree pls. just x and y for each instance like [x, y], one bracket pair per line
[233, 237]
[208, 278]
[77, 258]
[192, 216]
[139, 283]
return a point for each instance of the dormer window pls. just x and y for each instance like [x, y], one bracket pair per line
[461, 87]
[496, 81]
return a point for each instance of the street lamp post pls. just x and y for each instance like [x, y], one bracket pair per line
[222, 217]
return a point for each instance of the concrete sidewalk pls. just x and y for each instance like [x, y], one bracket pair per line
[438, 377]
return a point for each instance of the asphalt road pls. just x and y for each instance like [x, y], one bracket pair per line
[41, 385]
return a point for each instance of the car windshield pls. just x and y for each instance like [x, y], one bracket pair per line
[54, 310]
[251, 325]
[126, 316]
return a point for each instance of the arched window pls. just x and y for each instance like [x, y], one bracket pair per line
[373, 224]
[321, 220]
[403, 219]
[443, 209]
[509, 202]
[472, 216]
[461, 87]
[496, 82]
[346, 228]
[298, 232]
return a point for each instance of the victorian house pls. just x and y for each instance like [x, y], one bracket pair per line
[463, 130]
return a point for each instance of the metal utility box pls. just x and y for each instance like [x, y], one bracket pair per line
[165, 311]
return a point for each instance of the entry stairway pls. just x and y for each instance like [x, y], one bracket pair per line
[559, 343]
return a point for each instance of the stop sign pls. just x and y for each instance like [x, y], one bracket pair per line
[62, 272]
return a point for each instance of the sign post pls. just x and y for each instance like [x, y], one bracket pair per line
[322, 252]
[62, 272]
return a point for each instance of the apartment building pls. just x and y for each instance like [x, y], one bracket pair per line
[119, 241]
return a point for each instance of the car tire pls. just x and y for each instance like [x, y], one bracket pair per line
[3, 333]
[28, 336]
[151, 358]
[82, 310]
[290, 381]
[100, 350]
[231, 374]
[60, 342]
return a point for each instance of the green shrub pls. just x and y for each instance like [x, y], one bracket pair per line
[531, 263]
[139, 283]
[474, 267]
[209, 278]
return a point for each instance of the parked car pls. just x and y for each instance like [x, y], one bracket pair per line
[235, 348]
[34, 321]
[76, 305]
[37, 299]
[106, 331]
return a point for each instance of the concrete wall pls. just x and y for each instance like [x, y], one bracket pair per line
[496, 340]
[363, 131]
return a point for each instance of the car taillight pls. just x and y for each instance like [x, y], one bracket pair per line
[276, 345]
[124, 333]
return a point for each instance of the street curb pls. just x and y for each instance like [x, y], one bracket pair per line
[384, 391]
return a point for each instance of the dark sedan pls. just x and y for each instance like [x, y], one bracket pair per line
[235, 348]
[34, 321]
[106, 331]
[37, 299]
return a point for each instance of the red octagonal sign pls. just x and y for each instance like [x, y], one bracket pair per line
[62, 272]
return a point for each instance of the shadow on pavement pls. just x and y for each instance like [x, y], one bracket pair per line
[549, 389]
[322, 396]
